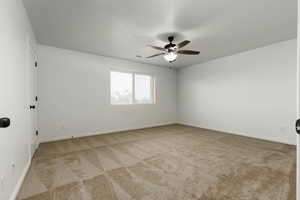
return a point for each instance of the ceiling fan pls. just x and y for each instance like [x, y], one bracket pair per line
[171, 50]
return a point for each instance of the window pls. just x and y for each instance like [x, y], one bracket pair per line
[121, 88]
[131, 88]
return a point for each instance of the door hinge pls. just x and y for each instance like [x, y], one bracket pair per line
[36, 132]
[36, 98]
[35, 64]
[297, 126]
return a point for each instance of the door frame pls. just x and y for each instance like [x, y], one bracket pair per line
[298, 104]
[31, 58]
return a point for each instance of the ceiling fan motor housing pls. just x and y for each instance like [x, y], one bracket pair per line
[170, 45]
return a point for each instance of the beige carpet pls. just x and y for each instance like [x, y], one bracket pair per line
[165, 163]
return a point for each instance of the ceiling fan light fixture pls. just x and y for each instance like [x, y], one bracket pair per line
[170, 56]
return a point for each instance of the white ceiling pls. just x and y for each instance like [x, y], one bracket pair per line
[123, 28]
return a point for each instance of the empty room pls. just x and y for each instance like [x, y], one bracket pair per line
[148, 100]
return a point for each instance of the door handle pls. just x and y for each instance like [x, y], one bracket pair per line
[32, 107]
[4, 122]
[297, 126]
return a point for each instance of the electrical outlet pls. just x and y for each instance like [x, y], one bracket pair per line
[13, 167]
[2, 184]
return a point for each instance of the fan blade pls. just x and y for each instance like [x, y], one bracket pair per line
[188, 52]
[183, 43]
[155, 55]
[157, 48]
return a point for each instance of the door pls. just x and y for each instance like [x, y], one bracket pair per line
[298, 103]
[32, 98]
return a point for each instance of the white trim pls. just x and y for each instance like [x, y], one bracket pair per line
[153, 89]
[298, 105]
[234, 133]
[133, 88]
[107, 132]
[115, 69]
[20, 181]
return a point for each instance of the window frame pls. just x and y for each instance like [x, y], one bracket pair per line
[133, 74]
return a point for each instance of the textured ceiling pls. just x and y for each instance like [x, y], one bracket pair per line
[123, 28]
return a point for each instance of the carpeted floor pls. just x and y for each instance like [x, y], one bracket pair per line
[164, 163]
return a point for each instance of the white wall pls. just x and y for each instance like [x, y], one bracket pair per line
[74, 93]
[251, 93]
[14, 141]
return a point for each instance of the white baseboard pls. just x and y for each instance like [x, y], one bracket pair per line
[104, 132]
[20, 181]
[234, 133]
